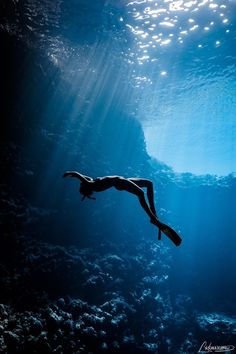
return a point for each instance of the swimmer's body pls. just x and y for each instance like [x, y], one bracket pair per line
[132, 185]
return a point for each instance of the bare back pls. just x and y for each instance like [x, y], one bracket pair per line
[120, 183]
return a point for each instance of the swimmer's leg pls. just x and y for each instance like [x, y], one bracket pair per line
[130, 186]
[146, 183]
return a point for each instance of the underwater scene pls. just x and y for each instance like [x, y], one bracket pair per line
[118, 176]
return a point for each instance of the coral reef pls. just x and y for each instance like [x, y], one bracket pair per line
[68, 300]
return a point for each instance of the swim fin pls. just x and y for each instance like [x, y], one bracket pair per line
[170, 233]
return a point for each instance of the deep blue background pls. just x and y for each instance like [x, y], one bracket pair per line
[68, 110]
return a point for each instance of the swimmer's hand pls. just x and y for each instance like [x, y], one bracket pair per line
[68, 173]
[73, 174]
[78, 175]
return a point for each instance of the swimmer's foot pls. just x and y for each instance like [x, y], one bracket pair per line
[155, 222]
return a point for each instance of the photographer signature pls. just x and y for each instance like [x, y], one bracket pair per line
[209, 348]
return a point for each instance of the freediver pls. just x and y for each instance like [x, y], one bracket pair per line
[132, 185]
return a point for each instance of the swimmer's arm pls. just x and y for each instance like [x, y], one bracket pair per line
[78, 175]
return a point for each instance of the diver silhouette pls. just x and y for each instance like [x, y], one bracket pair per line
[132, 185]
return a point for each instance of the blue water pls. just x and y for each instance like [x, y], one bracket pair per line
[138, 89]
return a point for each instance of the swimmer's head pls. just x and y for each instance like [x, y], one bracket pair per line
[86, 191]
